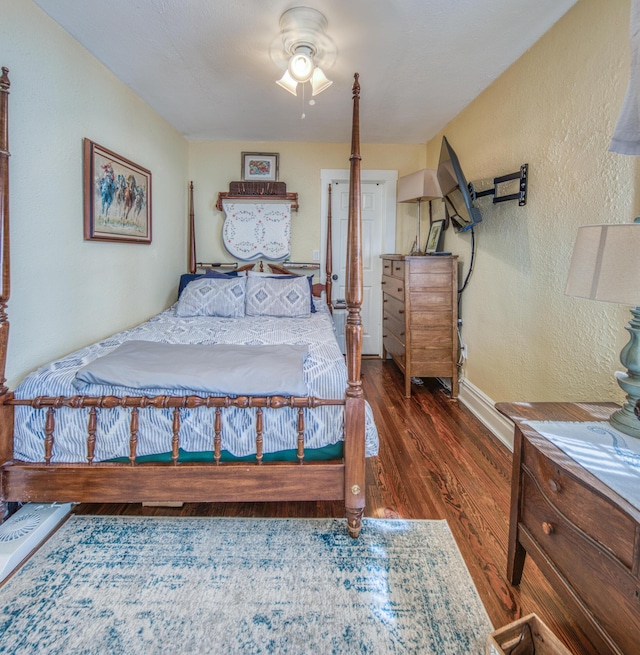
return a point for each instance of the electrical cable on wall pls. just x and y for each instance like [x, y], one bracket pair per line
[471, 263]
[461, 356]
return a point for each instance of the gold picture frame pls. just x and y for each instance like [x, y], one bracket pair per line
[117, 197]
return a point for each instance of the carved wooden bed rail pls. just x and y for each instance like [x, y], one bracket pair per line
[213, 481]
[135, 403]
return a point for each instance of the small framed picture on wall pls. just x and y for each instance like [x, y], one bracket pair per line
[260, 166]
[435, 236]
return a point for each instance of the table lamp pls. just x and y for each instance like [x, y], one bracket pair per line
[605, 265]
[416, 187]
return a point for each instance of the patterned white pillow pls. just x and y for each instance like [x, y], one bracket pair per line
[284, 297]
[210, 296]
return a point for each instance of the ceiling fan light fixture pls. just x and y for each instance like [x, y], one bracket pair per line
[305, 48]
[319, 81]
[301, 64]
[287, 82]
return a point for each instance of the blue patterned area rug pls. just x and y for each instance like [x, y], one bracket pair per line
[149, 585]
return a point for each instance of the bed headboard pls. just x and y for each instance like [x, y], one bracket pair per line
[258, 191]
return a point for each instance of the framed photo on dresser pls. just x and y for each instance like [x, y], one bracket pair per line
[435, 236]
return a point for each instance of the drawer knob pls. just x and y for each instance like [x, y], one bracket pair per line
[399, 288]
[401, 311]
[383, 282]
[547, 528]
[554, 486]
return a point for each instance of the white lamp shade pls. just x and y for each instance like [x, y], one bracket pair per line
[421, 185]
[605, 264]
[319, 81]
[287, 82]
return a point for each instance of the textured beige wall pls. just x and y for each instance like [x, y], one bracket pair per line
[67, 292]
[556, 109]
[213, 165]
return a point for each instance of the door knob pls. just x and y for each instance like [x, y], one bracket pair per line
[334, 277]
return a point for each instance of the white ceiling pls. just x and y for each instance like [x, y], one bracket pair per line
[204, 65]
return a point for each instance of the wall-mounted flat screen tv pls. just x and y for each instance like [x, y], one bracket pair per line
[459, 196]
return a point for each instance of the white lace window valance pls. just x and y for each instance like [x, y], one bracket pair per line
[253, 230]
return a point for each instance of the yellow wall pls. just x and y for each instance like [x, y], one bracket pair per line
[67, 292]
[212, 165]
[556, 109]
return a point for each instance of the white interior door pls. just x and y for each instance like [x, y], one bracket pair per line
[371, 265]
[378, 236]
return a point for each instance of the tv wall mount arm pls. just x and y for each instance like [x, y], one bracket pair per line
[520, 196]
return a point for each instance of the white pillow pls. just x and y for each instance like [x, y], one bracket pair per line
[283, 276]
[286, 297]
[211, 296]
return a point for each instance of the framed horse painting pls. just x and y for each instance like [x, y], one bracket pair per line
[117, 197]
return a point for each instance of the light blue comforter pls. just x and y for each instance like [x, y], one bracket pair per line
[325, 376]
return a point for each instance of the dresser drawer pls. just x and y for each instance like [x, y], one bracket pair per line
[432, 337]
[581, 505]
[394, 325]
[430, 265]
[397, 268]
[395, 348]
[393, 286]
[427, 281]
[585, 566]
[393, 307]
[433, 361]
[387, 267]
[432, 319]
[431, 300]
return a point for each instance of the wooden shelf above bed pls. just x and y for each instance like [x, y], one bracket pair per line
[258, 192]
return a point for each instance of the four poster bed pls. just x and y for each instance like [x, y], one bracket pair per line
[92, 438]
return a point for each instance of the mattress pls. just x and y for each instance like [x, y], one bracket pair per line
[324, 371]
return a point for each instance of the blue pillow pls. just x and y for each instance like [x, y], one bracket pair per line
[189, 277]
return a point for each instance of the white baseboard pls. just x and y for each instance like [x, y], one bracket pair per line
[484, 408]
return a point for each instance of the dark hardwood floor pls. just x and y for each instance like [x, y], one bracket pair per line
[436, 461]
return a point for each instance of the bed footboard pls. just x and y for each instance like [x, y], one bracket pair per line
[134, 404]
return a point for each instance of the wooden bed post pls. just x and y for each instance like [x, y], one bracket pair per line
[192, 232]
[354, 419]
[6, 411]
[329, 257]
[5, 280]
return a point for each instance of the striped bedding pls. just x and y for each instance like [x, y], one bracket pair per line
[324, 372]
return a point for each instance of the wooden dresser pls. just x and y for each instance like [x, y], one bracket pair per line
[581, 534]
[420, 316]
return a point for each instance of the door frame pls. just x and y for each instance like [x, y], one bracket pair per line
[389, 181]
